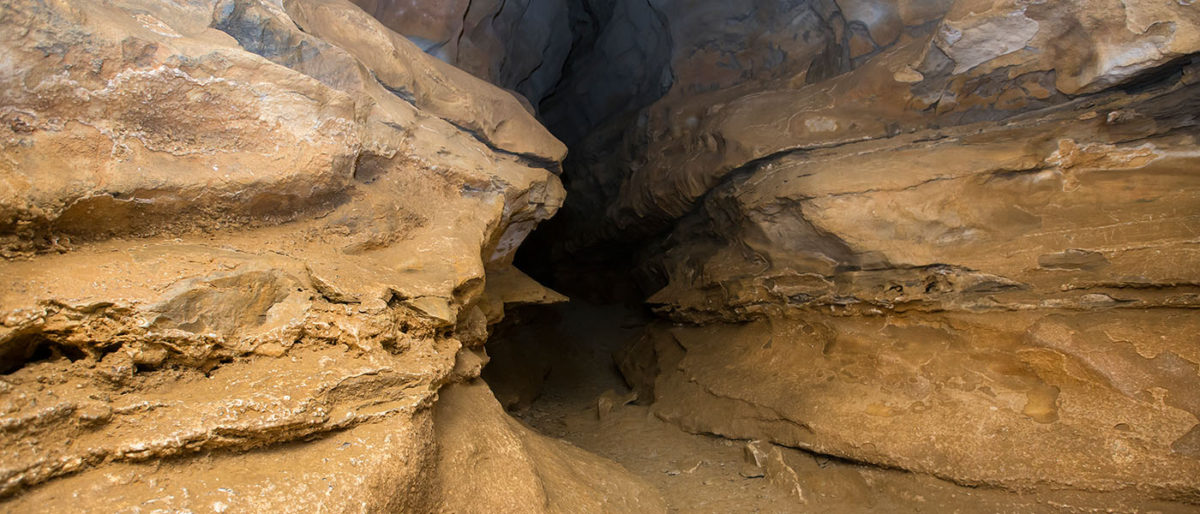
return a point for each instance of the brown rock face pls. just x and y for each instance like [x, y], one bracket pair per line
[252, 250]
[951, 237]
[245, 245]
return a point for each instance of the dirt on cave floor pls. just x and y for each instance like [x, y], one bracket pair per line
[552, 367]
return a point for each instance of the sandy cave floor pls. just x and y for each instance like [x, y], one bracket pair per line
[698, 473]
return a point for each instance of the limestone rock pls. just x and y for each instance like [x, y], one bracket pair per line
[433, 86]
[928, 216]
[899, 393]
[705, 129]
[610, 400]
[245, 245]
[381, 466]
[755, 460]
[490, 462]
[519, 45]
[1024, 248]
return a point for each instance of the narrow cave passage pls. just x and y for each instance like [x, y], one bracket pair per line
[599, 256]
[662, 106]
[675, 113]
[668, 112]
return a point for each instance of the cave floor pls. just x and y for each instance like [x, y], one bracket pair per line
[704, 473]
[694, 473]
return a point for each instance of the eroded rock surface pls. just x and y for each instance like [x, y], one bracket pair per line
[246, 243]
[520, 45]
[951, 237]
[253, 248]
[490, 462]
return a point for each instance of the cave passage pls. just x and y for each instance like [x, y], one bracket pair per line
[600, 256]
[645, 85]
[652, 258]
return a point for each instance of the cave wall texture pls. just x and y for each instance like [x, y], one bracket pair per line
[957, 238]
[252, 248]
[245, 247]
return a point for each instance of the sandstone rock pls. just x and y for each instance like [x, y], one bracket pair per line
[783, 477]
[245, 244]
[755, 460]
[1038, 407]
[519, 45]
[696, 136]
[494, 115]
[490, 462]
[253, 248]
[982, 183]
[381, 466]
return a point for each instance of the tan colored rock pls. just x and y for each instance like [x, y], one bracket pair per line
[489, 462]
[940, 233]
[754, 460]
[920, 285]
[238, 268]
[900, 393]
[436, 87]
[983, 61]
[610, 400]
[437, 23]
[383, 466]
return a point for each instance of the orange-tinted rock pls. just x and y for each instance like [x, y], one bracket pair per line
[992, 170]
[245, 245]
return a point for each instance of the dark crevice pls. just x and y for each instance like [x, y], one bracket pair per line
[1164, 76]
[25, 350]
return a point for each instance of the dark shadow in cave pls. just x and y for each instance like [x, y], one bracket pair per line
[618, 64]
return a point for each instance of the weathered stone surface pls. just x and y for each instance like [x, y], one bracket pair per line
[434, 86]
[933, 215]
[245, 245]
[1008, 305]
[619, 51]
[520, 45]
[490, 462]
[372, 467]
[75, 423]
[955, 237]
[1046, 211]
[724, 115]
[1020, 400]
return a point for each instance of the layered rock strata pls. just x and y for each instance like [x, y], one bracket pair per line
[956, 238]
[246, 244]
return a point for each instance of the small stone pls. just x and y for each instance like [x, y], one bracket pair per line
[754, 459]
[435, 308]
[93, 413]
[908, 75]
[610, 400]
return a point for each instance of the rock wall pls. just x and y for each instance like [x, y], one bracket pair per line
[245, 245]
[248, 244]
[578, 62]
[951, 237]
[521, 45]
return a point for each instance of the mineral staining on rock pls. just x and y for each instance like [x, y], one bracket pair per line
[246, 243]
[252, 249]
[950, 237]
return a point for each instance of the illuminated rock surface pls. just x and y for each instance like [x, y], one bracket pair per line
[253, 249]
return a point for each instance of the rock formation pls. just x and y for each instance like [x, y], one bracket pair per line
[253, 249]
[956, 238]
[246, 244]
